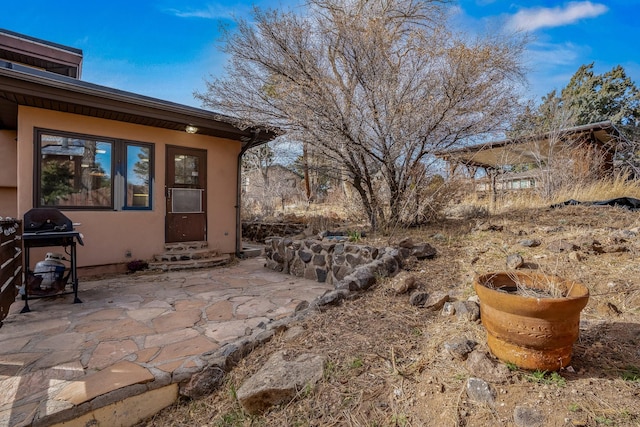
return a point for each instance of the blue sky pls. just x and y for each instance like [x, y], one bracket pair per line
[167, 48]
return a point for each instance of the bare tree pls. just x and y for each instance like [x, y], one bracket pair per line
[376, 85]
[263, 180]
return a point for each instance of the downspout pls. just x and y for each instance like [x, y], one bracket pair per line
[239, 193]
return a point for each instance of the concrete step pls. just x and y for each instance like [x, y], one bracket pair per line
[183, 246]
[185, 255]
[250, 251]
[216, 261]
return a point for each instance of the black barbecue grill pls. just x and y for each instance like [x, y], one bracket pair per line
[44, 227]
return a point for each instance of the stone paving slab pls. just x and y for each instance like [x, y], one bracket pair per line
[133, 334]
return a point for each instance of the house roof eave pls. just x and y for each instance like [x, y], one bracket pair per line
[24, 86]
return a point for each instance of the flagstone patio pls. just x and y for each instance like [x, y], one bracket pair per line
[120, 355]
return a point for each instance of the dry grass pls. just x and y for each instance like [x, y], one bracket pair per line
[533, 285]
[478, 205]
[620, 186]
[386, 362]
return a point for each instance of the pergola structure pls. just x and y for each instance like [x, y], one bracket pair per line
[601, 139]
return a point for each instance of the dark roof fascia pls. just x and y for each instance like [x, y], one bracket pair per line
[47, 43]
[46, 85]
[41, 54]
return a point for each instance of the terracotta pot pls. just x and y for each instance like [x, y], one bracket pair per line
[528, 331]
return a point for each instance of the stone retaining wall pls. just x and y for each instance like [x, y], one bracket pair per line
[259, 231]
[342, 264]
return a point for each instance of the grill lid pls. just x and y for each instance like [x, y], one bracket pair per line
[46, 219]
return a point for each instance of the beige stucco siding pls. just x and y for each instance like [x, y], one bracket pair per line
[109, 235]
[8, 174]
[221, 196]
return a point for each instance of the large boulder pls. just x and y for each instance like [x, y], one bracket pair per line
[279, 380]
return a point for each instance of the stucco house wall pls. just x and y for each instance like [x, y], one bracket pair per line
[8, 176]
[51, 124]
[110, 235]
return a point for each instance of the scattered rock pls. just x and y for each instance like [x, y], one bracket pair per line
[423, 251]
[279, 380]
[362, 278]
[528, 417]
[460, 347]
[561, 246]
[410, 263]
[331, 297]
[403, 282]
[407, 242]
[418, 298]
[203, 383]
[515, 261]
[302, 305]
[530, 243]
[448, 309]
[385, 266]
[468, 310]
[488, 227]
[479, 364]
[480, 391]
[436, 300]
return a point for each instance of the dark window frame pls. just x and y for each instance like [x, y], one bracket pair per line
[125, 171]
[118, 168]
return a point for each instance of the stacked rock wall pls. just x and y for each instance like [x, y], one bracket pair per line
[342, 264]
[259, 231]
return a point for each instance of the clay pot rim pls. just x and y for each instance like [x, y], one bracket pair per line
[580, 291]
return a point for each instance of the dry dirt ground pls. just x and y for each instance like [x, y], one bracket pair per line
[386, 362]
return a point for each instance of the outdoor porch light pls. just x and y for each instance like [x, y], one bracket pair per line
[191, 129]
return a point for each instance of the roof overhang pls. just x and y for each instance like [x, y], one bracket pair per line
[534, 148]
[20, 85]
[42, 54]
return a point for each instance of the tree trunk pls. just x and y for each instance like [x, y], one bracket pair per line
[305, 168]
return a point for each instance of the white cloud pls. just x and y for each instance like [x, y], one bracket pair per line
[212, 11]
[541, 17]
[551, 65]
[554, 54]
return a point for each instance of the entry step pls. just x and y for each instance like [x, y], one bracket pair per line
[185, 246]
[216, 261]
[185, 255]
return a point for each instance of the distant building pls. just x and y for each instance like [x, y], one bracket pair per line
[525, 163]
